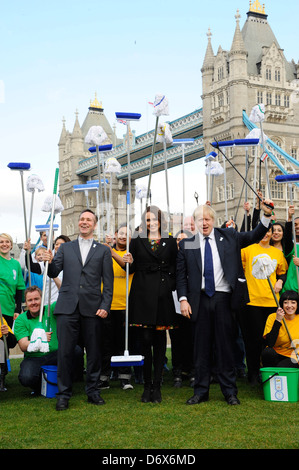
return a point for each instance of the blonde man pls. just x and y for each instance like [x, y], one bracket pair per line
[210, 286]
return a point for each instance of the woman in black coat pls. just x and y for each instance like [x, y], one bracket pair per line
[152, 258]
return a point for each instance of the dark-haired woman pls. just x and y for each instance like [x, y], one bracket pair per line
[152, 258]
[279, 351]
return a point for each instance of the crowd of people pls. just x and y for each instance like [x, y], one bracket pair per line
[197, 285]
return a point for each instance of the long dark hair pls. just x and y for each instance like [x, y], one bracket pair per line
[282, 240]
[158, 213]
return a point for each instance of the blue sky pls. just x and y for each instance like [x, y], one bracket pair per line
[54, 56]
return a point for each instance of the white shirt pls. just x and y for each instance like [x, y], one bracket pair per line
[84, 245]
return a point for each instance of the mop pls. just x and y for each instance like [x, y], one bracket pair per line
[160, 108]
[140, 194]
[33, 182]
[21, 167]
[262, 268]
[96, 136]
[164, 136]
[258, 116]
[38, 341]
[240, 142]
[112, 166]
[289, 179]
[183, 143]
[213, 168]
[5, 343]
[46, 228]
[127, 359]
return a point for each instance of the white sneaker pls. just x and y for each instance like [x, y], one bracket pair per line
[125, 385]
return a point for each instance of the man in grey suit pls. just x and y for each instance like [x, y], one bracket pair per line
[84, 300]
[210, 286]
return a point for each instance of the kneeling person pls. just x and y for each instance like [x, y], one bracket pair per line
[30, 368]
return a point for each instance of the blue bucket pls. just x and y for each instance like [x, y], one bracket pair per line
[49, 381]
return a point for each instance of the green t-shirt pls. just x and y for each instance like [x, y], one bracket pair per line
[11, 280]
[25, 324]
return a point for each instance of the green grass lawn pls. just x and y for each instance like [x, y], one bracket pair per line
[126, 423]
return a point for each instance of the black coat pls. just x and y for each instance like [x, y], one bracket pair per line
[229, 244]
[151, 300]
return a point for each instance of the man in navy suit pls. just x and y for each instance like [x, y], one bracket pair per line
[210, 286]
[84, 299]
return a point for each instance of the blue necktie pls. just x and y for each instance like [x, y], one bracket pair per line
[208, 270]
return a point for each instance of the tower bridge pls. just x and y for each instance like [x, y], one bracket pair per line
[253, 71]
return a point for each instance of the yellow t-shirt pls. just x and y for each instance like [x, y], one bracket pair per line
[260, 293]
[119, 286]
[283, 345]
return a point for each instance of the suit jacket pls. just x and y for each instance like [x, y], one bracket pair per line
[90, 286]
[151, 300]
[229, 243]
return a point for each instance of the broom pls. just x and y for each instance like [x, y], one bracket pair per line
[38, 341]
[262, 268]
[127, 359]
[21, 167]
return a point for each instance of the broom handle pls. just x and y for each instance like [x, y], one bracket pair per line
[127, 280]
[49, 245]
[294, 233]
[5, 342]
[283, 320]
[152, 162]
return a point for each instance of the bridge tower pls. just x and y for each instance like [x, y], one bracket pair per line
[72, 150]
[253, 71]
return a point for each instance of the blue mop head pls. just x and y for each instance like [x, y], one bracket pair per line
[19, 166]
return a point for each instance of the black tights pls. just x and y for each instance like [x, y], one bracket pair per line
[153, 350]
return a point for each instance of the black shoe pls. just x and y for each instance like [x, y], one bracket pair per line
[156, 396]
[232, 400]
[196, 399]
[62, 404]
[96, 399]
[146, 396]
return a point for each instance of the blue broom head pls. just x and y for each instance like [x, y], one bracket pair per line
[19, 166]
[127, 361]
[224, 143]
[80, 187]
[96, 182]
[246, 142]
[45, 227]
[102, 148]
[287, 178]
[128, 116]
[182, 141]
[8, 365]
